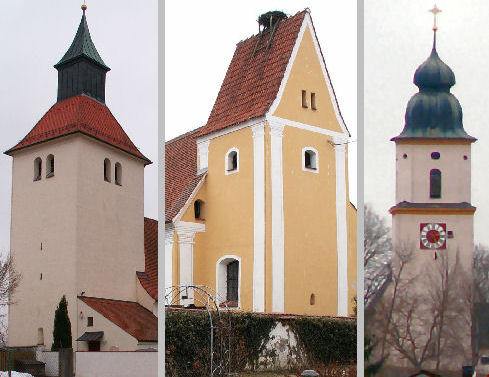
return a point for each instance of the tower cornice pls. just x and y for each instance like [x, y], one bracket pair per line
[409, 208]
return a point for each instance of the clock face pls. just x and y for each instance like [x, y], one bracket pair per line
[433, 235]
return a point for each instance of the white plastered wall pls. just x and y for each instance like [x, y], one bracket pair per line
[413, 172]
[114, 339]
[92, 232]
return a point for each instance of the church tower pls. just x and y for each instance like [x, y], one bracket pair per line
[77, 202]
[433, 217]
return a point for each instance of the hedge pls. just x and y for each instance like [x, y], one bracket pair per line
[187, 337]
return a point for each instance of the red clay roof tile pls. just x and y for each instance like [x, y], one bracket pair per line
[131, 317]
[149, 278]
[252, 81]
[180, 172]
[80, 114]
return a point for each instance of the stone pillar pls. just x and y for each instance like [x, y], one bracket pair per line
[169, 233]
[186, 234]
[259, 217]
[278, 262]
[341, 226]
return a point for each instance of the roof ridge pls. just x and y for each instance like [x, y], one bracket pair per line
[108, 299]
[182, 136]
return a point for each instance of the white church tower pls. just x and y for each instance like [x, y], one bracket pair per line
[77, 202]
[434, 217]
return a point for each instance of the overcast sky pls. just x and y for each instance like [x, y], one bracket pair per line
[200, 39]
[35, 37]
[398, 38]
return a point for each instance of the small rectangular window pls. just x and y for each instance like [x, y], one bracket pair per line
[313, 101]
[304, 99]
[89, 321]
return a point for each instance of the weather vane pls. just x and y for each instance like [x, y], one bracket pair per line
[435, 11]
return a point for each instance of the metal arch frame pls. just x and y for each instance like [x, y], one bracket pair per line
[220, 358]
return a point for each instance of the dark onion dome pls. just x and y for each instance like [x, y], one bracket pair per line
[434, 112]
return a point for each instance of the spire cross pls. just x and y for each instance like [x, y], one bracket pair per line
[435, 11]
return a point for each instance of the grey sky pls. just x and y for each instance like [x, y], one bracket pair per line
[398, 38]
[35, 37]
[200, 39]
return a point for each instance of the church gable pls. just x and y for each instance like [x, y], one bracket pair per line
[306, 94]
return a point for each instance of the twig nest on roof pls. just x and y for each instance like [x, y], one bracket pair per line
[269, 19]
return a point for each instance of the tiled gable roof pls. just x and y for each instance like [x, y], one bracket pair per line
[252, 80]
[79, 114]
[180, 172]
[131, 317]
[149, 278]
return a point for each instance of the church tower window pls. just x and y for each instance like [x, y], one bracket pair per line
[37, 169]
[199, 207]
[435, 184]
[232, 161]
[232, 283]
[50, 166]
[228, 280]
[313, 101]
[107, 170]
[118, 174]
[309, 159]
[304, 100]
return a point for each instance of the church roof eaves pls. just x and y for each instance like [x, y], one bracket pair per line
[79, 114]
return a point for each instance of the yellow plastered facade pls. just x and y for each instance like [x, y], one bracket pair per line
[309, 203]
[306, 74]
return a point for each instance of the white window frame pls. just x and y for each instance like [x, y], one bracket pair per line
[226, 161]
[221, 279]
[316, 156]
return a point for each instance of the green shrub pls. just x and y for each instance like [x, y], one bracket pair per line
[187, 336]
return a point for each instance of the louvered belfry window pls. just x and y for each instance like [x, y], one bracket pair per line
[435, 184]
[232, 281]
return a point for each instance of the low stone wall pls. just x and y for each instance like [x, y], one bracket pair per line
[51, 359]
[120, 364]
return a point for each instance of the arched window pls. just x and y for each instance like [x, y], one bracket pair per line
[435, 184]
[37, 169]
[228, 280]
[199, 208]
[50, 166]
[309, 159]
[118, 174]
[107, 170]
[232, 161]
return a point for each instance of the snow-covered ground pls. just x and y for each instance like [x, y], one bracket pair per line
[15, 374]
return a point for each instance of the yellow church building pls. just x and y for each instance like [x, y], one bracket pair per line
[256, 200]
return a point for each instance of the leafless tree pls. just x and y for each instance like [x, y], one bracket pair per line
[481, 273]
[425, 313]
[377, 254]
[9, 282]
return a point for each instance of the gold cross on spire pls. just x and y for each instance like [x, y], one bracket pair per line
[435, 11]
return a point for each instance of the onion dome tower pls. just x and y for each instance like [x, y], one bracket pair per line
[433, 173]
[433, 112]
[433, 219]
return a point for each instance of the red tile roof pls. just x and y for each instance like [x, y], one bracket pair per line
[80, 114]
[252, 81]
[131, 317]
[180, 172]
[149, 278]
